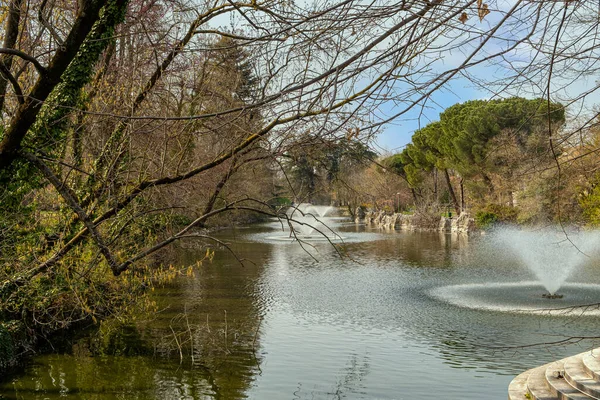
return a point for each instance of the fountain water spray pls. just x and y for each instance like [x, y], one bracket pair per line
[321, 211]
[307, 218]
[552, 255]
[308, 214]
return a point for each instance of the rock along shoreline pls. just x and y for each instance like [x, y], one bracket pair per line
[417, 222]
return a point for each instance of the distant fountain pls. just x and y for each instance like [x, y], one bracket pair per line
[309, 223]
[552, 255]
[307, 218]
[321, 211]
[304, 223]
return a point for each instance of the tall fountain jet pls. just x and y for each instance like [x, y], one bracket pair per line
[552, 255]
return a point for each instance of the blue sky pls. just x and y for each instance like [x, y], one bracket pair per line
[398, 134]
[570, 79]
[460, 89]
[395, 135]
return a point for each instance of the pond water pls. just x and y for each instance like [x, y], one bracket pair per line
[304, 324]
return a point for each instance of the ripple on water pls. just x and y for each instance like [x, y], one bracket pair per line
[522, 297]
[337, 238]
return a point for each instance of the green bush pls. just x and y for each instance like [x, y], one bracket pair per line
[280, 201]
[494, 213]
[484, 219]
[504, 213]
[589, 201]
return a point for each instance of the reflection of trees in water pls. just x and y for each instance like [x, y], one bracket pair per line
[203, 344]
[211, 321]
[109, 378]
[421, 248]
[223, 350]
[353, 375]
[349, 381]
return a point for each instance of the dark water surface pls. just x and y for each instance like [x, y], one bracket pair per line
[304, 324]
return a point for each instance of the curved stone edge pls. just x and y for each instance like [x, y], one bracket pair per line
[574, 377]
[579, 377]
[537, 386]
[518, 386]
[591, 363]
[559, 386]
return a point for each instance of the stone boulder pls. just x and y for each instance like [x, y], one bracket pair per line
[359, 214]
[463, 224]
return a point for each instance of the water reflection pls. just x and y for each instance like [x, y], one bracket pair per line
[108, 378]
[349, 381]
[205, 343]
[216, 317]
[316, 326]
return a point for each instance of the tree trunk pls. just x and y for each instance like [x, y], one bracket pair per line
[488, 182]
[26, 114]
[452, 194]
[435, 185]
[462, 193]
[10, 39]
[414, 195]
[351, 211]
[213, 198]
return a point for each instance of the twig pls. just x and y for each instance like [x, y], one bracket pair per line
[226, 349]
[178, 344]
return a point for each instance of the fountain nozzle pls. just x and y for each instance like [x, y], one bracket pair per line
[552, 296]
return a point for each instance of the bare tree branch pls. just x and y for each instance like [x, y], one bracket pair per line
[41, 69]
[70, 198]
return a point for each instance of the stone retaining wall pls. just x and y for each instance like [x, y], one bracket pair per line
[416, 222]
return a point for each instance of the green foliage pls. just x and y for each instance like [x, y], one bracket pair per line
[119, 339]
[423, 154]
[485, 219]
[344, 155]
[280, 201]
[315, 168]
[304, 173]
[233, 59]
[494, 213]
[405, 165]
[589, 201]
[465, 142]
[505, 213]
[179, 220]
[50, 125]
[460, 139]
[425, 151]
[468, 127]
[62, 299]
[49, 131]
[394, 163]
